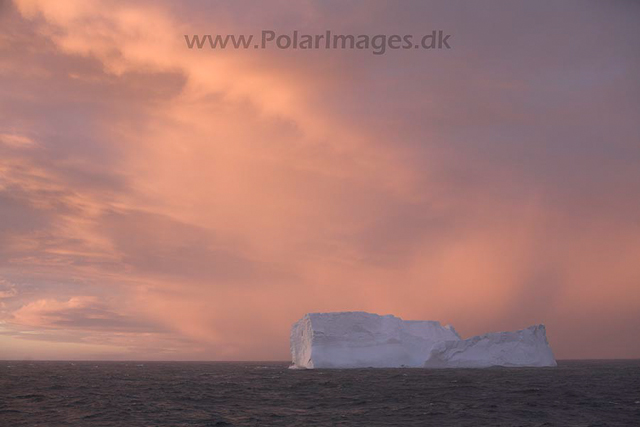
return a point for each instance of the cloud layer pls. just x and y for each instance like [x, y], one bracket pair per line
[158, 202]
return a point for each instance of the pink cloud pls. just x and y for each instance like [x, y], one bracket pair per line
[166, 203]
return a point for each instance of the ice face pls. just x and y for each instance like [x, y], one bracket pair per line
[362, 340]
[528, 347]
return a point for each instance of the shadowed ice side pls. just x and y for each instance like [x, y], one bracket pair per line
[366, 340]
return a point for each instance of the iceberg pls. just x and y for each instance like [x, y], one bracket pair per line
[528, 347]
[361, 340]
[365, 340]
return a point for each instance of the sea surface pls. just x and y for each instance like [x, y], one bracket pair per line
[576, 393]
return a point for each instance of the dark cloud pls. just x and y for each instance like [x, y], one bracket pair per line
[99, 319]
[157, 245]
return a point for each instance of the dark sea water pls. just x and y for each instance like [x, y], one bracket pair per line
[576, 393]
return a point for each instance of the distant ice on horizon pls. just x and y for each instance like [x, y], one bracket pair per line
[366, 340]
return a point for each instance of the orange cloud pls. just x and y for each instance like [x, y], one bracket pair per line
[162, 202]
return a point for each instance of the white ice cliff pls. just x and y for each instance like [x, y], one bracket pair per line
[363, 340]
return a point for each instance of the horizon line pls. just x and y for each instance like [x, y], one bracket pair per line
[257, 361]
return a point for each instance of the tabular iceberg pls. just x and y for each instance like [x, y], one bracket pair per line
[359, 339]
[363, 340]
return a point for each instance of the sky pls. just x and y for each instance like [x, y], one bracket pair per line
[165, 203]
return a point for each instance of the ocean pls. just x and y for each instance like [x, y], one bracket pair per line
[576, 393]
